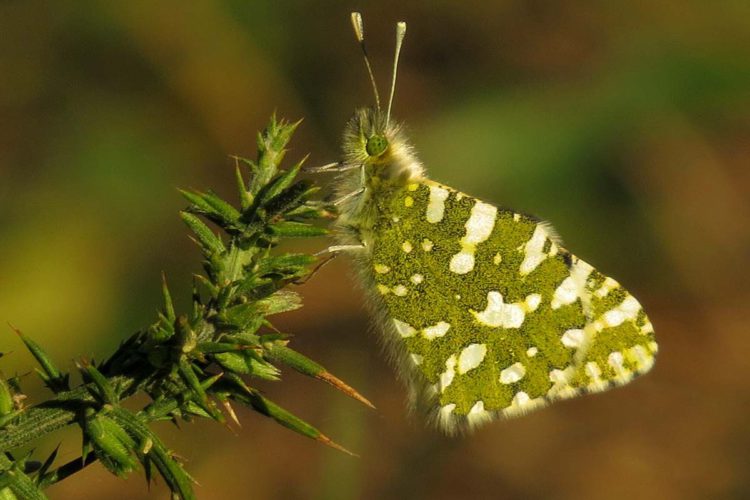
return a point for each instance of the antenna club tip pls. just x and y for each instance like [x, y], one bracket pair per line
[400, 31]
[359, 30]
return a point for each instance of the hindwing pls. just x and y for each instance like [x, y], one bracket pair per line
[489, 315]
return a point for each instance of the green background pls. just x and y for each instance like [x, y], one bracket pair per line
[626, 124]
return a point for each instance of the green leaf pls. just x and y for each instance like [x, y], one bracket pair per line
[280, 353]
[199, 393]
[290, 229]
[168, 304]
[246, 199]
[271, 143]
[291, 263]
[279, 302]
[6, 398]
[213, 207]
[20, 485]
[211, 243]
[105, 391]
[174, 475]
[50, 374]
[233, 362]
[47, 464]
[266, 407]
[112, 444]
[281, 182]
[288, 199]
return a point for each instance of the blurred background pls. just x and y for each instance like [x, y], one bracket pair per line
[627, 124]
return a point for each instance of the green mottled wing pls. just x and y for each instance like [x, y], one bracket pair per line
[489, 315]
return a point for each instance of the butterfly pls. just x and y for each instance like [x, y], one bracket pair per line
[483, 310]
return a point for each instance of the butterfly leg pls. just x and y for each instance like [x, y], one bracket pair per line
[321, 264]
[331, 167]
[335, 249]
[348, 196]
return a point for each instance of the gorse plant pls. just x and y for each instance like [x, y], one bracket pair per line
[192, 364]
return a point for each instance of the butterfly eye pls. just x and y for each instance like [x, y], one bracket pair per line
[376, 145]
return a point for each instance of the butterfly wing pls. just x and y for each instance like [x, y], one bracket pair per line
[488, 315]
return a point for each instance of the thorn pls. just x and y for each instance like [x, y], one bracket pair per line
[230, 411]
[329, 442]
[272, 327]
[343, 387]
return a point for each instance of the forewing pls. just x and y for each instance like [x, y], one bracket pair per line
[490, 316]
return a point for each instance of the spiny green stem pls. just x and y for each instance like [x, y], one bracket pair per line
[49, 416]
[174, 361]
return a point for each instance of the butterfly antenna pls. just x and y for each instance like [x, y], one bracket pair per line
[400, 34]
[359, 32]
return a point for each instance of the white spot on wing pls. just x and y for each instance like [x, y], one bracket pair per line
[595, 373]
[404, 329]
[615, 360]
[478, 229]
[450, 371]
[607, 286]
[641, 357]
[500, 314]
[565, 294]
[647, 328]
[400, 290]
[436, 204]
[523, 403]
[521, 398]
[406, 246]
[627, 310]
[471, 357]
[533, 251]
[381, 268]
[446, 414]
[478, 414]
[417, 279]
[573, 338]
[532, 351]
[580, 272]
[462, 262]
[532, 302]
[437, 330]
[560, 378]
[513, 373]
[480, 223]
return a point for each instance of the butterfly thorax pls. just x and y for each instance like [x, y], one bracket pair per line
[378, 163]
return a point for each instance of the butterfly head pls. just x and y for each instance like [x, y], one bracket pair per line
[376, 145]
[370, 138]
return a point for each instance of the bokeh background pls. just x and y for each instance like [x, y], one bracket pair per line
[625, 123]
